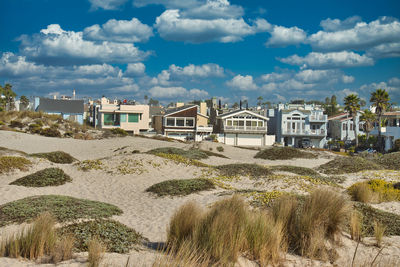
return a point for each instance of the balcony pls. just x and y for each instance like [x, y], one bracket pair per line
[204, 129]
[318, 118]
[319, 132]
[252, 129]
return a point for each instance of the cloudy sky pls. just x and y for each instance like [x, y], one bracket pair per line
[195, 49]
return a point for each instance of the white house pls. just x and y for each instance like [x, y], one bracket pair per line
[243, 128]
[391, 130]
[295, 124]
[341, 126]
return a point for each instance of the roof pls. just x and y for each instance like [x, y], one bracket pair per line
[62, 106]
[239, 111]
[175, 110]
[304, 111]
[392, 113]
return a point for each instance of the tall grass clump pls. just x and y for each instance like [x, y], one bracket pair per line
[379, 232]
[361, 192]
[374, 190]
[63, 249]
[355, 227]
[96, 252]
[34, 242]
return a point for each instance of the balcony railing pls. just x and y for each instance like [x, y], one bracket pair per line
[246, 128]
[318, 118]
[304, 132]
[204, 128]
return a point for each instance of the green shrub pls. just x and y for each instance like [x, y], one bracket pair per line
[210, 153]
[50, 132]
[189, 154]
[220, 149]
[244, 169]
[46, 177]
[63, 208]
[35, 128]
[16, 124]
[9, 163]
[89, 164]
[389, 161]
[56, 157]
[384, 191]
[119, 132]
[341, 165]
[116, 236]
[180, 187]
[295, 169]
[283, 153]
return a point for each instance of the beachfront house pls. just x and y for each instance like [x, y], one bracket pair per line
[69, 109]
[243, 127]
[341, 127]
[298, 125]
[129, 117]
[390, 130]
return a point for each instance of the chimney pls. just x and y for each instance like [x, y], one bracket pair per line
[54, 96]
[203, 108]
[179, 104]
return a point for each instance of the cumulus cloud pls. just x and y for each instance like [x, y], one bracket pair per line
[205, 70]
[333, 25]
[168, 3]
[56, 46]
[282, 36]
[384, 50]
[176, 92]
[172, 26]
[318, 60]
[106, 4]
[244, 83]
[124, 31]
[362, 36]
[214, 9]
[135, 69]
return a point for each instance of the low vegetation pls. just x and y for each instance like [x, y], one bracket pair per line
[390, 161]
[295, 170]
[375, 190]
[342, 165]
[189, 154]
[115, 236]
[56, 157]
[244, 169]
[50, 132]
[283, 153]
[180, 187]
[45, 177]
[63, 208]
[90, 164]
[10, 163]
[119, 132]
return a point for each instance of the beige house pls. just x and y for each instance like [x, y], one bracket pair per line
[131, 118]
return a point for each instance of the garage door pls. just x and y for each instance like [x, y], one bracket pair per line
[250, 140]
[230, 139]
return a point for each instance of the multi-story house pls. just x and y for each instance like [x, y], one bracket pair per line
[391, 129]
[243, 128]
[297, 125]
[341, 126]
[131, 118]
[185, 122]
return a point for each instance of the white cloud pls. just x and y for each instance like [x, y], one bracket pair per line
[318, 60]
[333, 25]
[360, 37]
[244, 83]
[282, 36]
[135, 69]
[162, 79]
[205, 70]
[58, 47]
[176, 92]
[384, 50]
[172, 26]
[274, 76]
[124, 31]
[168, 3]
[214, 9]
[106, 4]
[12, 65]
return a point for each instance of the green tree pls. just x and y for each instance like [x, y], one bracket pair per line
[368, 118]
[24, 101]
[380, 100]
[7, 96]
[153, 102]
[259, 100]
[235, 105]
[146, 98]
[352, 105]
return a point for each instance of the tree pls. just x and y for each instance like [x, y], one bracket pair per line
[7, 96]
[268, 104]
[24, 101]
[146, 98]
[352, 105]
[368, 118]
[235, 105]
[259, 100]
[153, 102]
[380, 100]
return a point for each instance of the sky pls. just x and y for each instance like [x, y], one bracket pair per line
[182, 50]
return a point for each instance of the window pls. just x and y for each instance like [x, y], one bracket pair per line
[123, 117]
[108, 119]
[235, 123]
[180, 122]
[229, 123]
[344, 127]
[241, 123]
[248, 123]
[170, 122]
[133, 117]
[189, 122]
[253, 123]
[260, 124]
[351, 127]
[293, 125]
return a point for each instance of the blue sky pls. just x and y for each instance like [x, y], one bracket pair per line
[195, 49]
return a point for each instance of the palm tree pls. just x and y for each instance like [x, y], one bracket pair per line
[352, 105]
[369, 118]
[380, 100]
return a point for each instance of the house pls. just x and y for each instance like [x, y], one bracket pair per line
[131, 118]
[69, 109]
[341, 126]
[243, 128]
[184, 122]
[296, 124]
[391, 130]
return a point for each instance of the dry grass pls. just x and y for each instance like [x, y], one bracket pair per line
[9, 163]
[32, 243]
[356, 222]
[379, 232]
[375, 190]
[361, 192]
[96, 252]
[63, 249]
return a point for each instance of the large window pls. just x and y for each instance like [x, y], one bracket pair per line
[189, 122]
[180, 122]
[170, 121]
[133, 117]
[111, 119]
[123, 117]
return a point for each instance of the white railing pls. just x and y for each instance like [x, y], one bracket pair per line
[305, 132]
[246, 128]
[204, 128]
[317, 117]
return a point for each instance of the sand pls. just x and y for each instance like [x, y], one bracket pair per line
[142, 211]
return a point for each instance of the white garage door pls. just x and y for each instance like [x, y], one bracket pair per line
[230, 139]
[250, 140]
